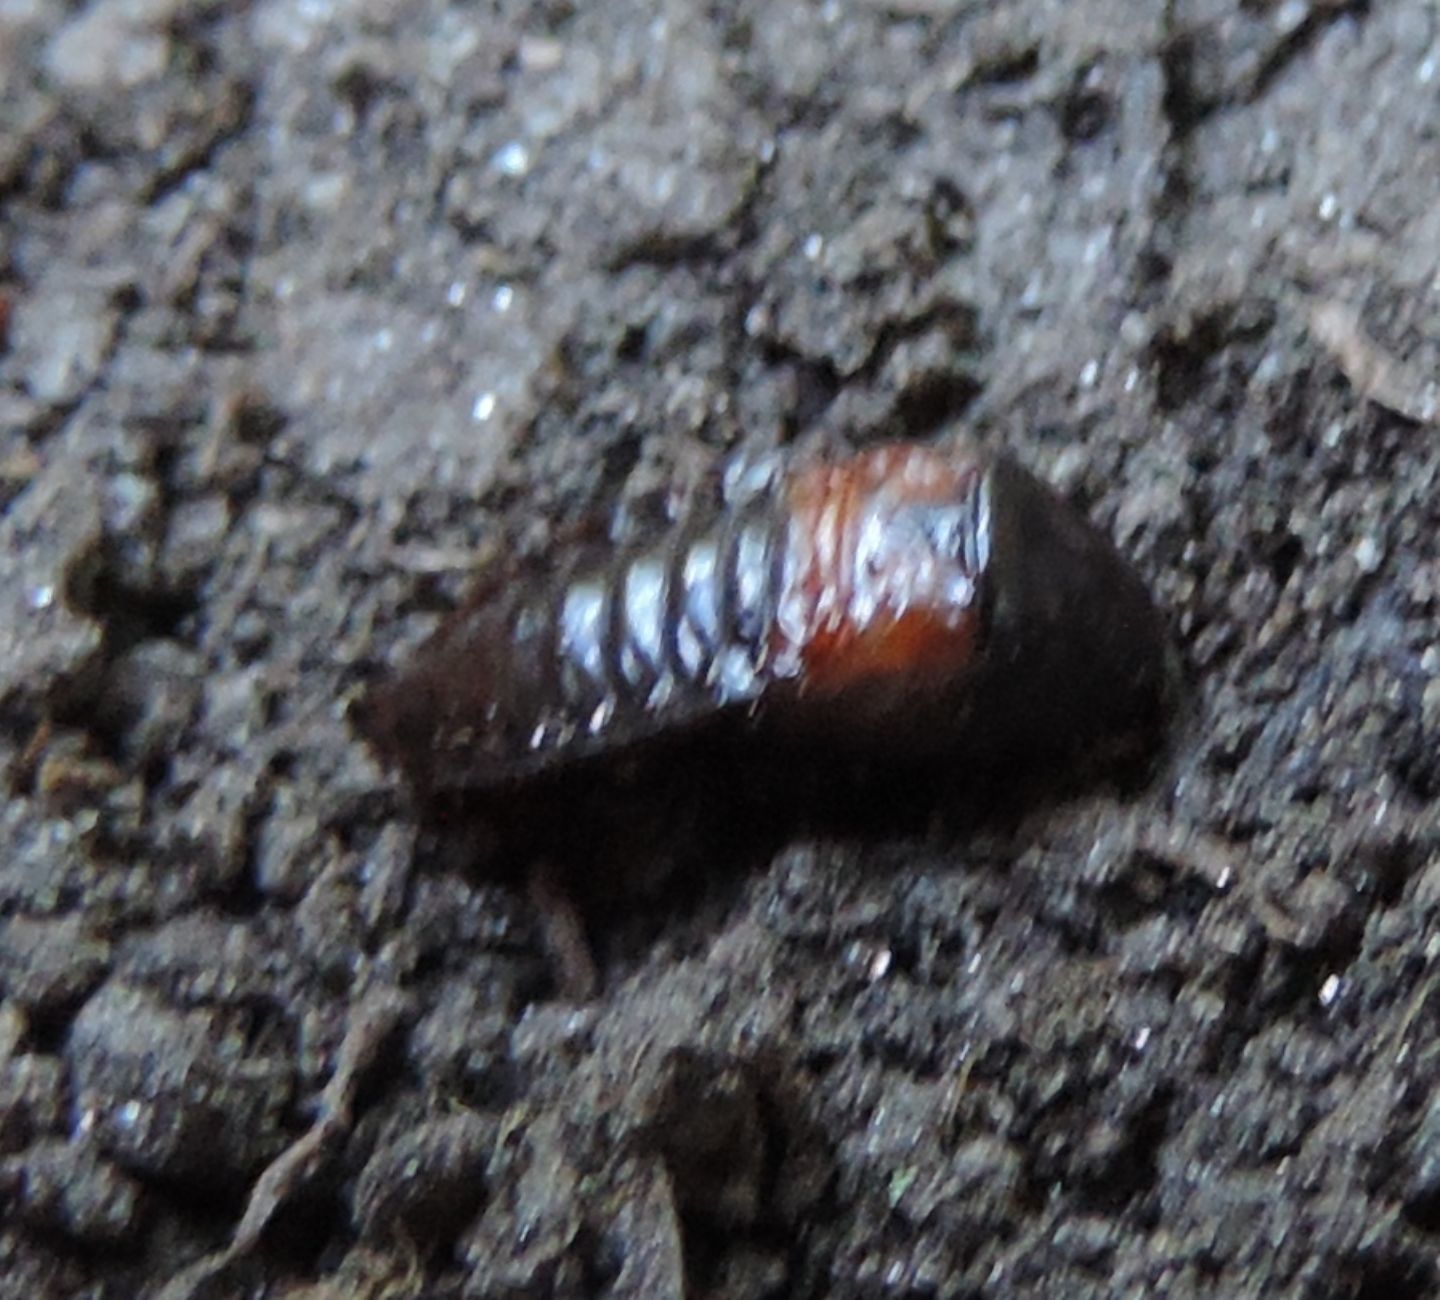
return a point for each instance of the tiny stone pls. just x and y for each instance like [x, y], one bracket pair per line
[512, 160]
[1368, 554]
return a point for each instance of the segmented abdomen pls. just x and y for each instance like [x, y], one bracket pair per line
[658, 634]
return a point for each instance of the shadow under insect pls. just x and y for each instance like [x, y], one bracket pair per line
[859, 647]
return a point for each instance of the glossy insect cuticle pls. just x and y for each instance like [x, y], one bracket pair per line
[918, 598]
[644, 606]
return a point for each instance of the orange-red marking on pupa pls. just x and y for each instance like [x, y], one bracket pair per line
[867, 594]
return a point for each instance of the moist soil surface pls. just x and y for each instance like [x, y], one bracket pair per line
[310, 312]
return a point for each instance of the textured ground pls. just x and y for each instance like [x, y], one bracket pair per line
[305, 305]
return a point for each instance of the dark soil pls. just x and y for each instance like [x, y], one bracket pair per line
[307, 308]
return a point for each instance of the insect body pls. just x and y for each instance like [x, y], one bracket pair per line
[905, 602]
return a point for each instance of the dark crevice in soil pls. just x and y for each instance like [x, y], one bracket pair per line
[1380, 1275]
[1319, 19]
